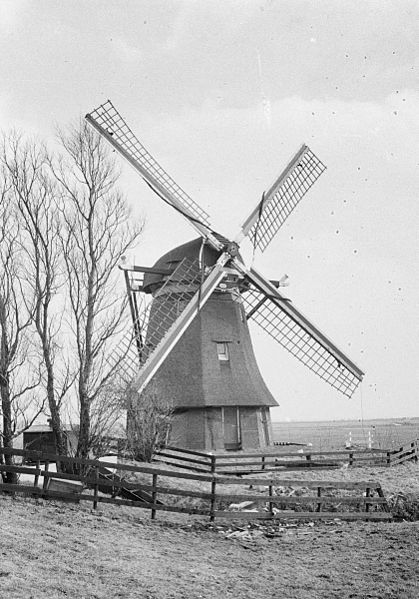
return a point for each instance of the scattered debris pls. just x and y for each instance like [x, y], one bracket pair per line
[268, 530]
[244, 505]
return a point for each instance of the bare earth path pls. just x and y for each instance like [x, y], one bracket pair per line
[54, 550]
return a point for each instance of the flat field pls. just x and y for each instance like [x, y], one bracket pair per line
[382, 433]
[54, 550]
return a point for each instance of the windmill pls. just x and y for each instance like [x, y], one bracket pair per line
[192, 338]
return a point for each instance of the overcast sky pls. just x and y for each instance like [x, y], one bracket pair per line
[223, 93]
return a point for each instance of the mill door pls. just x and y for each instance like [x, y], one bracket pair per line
[232, 433]
[265, 425]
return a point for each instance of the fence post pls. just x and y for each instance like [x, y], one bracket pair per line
[381, 494]
[96, 486]
[413, 448]
[213, 464]
[36, 477]
[351, 459]
[270, 503]
[263, 462]
[388, 458]
[154, 496]
[213, 489]
[367, 494]
[46, 480]
[319, 494]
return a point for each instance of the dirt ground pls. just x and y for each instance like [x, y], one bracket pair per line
[54, 550]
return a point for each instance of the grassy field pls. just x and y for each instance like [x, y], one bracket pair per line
[54, 550]
[383, 433]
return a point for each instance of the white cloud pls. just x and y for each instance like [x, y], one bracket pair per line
[355, 238]
[179, 27]
[10, 13]
[126, 51]
[195, 18]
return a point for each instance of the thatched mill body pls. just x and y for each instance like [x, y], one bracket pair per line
[211, 376]
[192, 340]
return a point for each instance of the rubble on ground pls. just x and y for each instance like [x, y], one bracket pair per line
[269, 530]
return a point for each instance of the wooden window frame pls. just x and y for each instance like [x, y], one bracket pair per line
[223, 356]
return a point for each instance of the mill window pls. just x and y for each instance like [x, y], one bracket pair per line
[222, 351]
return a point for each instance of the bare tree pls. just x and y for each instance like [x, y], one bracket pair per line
[20, 370]
[108, 420]
[96, 231]
[37, 205]
[149, 421]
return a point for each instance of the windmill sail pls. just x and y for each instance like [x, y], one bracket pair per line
[280, 200]
[109, 123]
[173, 314]
[168, 304]
[155, 317]
[182, 296]
[275, 315]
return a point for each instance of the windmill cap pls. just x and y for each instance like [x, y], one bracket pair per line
[170, 261]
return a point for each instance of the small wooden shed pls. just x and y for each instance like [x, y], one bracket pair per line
[41, 437]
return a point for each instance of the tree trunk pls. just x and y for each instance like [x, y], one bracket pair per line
[6, 401]
[8, 477]
[56, 425]
[84, 429]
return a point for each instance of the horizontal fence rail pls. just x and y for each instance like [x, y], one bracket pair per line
[208, 494]
[274, 460]
[409, 451]
[297, 460]
[188, 459]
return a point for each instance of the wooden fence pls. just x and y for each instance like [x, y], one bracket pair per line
[188, 459]
[274, 460]
[410, 451]
[209, 495]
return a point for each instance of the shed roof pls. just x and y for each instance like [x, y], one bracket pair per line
[44, 428]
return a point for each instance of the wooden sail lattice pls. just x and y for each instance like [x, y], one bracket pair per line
[289, 333]
[163, 320]
[111, 124]
[155, 318]
[284, 196]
